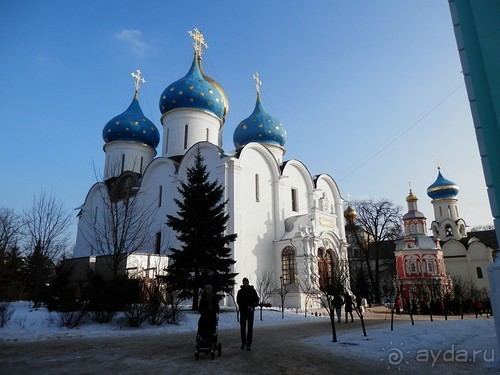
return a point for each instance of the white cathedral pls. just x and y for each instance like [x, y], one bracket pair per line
[287, 221]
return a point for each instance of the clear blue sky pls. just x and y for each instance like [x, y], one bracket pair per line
[370, 92]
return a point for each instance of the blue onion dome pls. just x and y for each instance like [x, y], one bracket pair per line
[193, 91]
[259, 127]
[442, 188]
[132, 126]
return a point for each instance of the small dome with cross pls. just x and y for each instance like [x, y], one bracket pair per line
[133, 126]
[260, 126]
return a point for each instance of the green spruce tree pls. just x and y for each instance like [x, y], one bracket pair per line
[201, 222]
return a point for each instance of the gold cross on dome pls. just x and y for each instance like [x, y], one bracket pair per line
[258, 82]
[138, 79]
[199, 41]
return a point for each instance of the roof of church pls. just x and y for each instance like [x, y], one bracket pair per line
[422, 242]
[259, 127]
[487, 237]
[194, 91]
[132, 125]
[442, 188]
[415, 214]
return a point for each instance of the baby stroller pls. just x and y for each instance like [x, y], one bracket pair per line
[206, 337]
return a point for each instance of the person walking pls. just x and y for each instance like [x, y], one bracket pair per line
[338, 302]
[348, 306]
[247, 299]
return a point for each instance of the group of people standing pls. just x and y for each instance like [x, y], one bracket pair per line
[247, 300]
[348, 304]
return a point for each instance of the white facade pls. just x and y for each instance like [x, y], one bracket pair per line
[272, 204]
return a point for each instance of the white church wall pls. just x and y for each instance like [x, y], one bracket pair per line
[337, 202]
[256, 220]
[201, 126]
[126, 156]
[157, 191]
[297, 179]
[90, 214]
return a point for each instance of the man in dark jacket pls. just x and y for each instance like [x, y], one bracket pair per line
[247, 300]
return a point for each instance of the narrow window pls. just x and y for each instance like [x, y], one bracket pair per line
[456, 210]
[123, 163]
[288, 265]
[294, 200]
[479, 272]
[440, 211]
[158, 243]
[257, 192]
[413, 267]
[160, 193]
[207, 135]
[430, 266]
[142, 163]
[185, 136]
[166, 140]
[449, 211]
[95, 214]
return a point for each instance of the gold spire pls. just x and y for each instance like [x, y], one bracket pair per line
[199, 42]
[258, 82]
[411, 196]
[138, 80]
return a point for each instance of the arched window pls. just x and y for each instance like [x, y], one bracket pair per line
[479, 272]
[448, 231]
[325, 268]
[288, 265]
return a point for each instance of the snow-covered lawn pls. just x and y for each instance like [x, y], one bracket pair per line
[425, 342]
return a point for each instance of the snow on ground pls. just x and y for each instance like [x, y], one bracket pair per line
[425, 342]
[28, 324]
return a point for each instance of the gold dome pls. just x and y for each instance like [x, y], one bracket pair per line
[219, 88]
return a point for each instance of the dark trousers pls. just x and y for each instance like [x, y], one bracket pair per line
[246, 321]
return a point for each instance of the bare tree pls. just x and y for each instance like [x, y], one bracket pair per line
[11, 230]
[46, 223]
[46, 241]
[282, 292]
[266, 287]
[376, 222]
[121, 223]
[330, 279]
